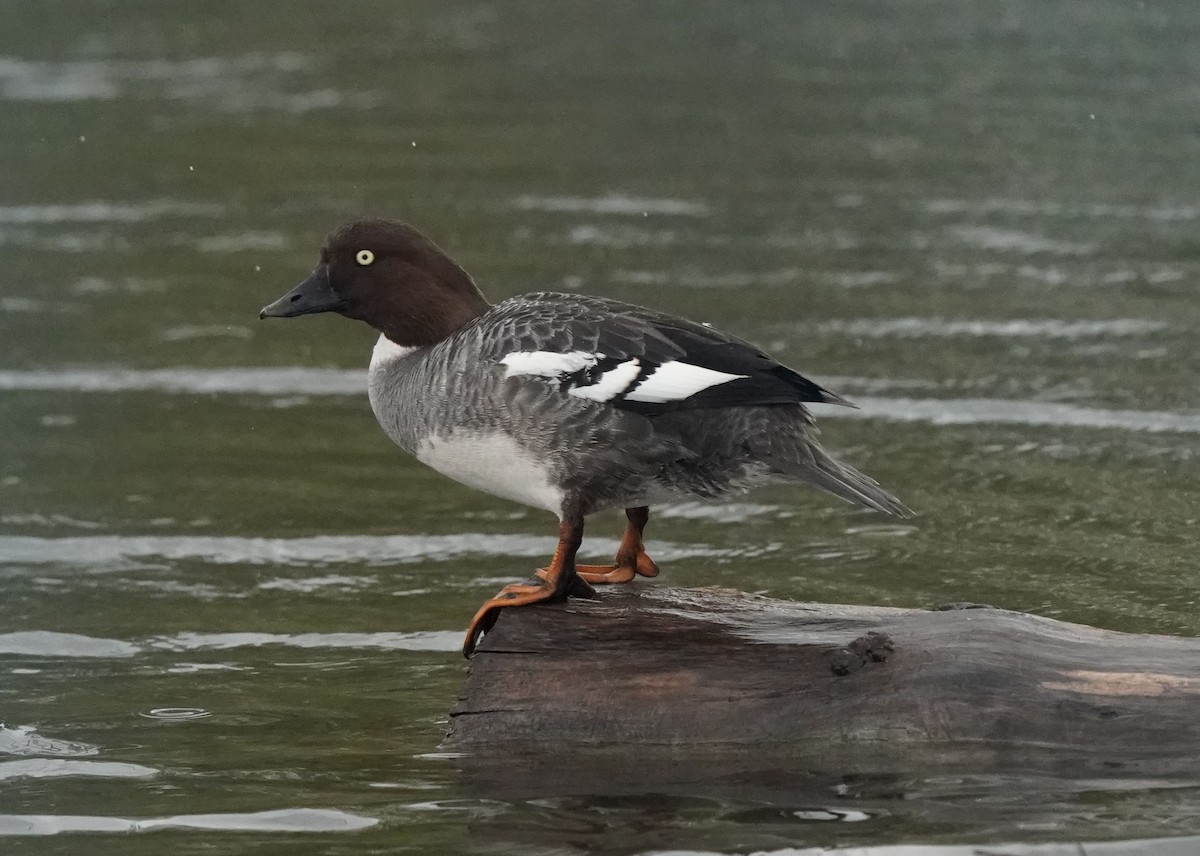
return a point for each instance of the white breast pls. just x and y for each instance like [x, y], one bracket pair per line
[492, 463]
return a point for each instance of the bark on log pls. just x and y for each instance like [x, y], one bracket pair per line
[739, 682]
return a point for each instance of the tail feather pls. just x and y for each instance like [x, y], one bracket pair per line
[823, 471]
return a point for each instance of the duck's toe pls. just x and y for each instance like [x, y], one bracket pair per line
[645, 566]
[518, 594]
[605, 574]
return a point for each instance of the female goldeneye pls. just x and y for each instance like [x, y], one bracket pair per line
[565, 402]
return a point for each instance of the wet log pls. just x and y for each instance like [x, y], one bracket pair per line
[648, 676]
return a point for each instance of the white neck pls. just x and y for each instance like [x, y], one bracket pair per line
[387, 351]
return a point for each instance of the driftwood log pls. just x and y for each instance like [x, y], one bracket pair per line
[739, 683]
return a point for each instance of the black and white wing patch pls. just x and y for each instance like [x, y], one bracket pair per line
[621, 380]
[637, 359]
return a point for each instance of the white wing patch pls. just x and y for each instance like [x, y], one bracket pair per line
[675, 381]
[548, 363]
[672, 381]
[611, 384]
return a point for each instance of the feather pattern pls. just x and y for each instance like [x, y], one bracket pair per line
[613, 405]
[681, 365]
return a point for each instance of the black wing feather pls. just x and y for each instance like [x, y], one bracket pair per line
[564, 323]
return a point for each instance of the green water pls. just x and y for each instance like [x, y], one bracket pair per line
[979, 222]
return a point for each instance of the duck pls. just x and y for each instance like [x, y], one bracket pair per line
[565, 402]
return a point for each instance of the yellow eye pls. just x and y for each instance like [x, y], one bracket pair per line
[364, 257]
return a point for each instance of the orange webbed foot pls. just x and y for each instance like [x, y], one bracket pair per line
[605, 574]
[562, 578]
[518, 594]
[624, 569]
[554, 582]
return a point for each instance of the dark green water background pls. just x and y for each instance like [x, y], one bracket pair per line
[223, 592]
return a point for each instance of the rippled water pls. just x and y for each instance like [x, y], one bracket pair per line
[231, 609]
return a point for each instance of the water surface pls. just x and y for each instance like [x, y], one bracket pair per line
[231, 608]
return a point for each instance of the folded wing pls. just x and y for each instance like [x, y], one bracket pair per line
[640, 360]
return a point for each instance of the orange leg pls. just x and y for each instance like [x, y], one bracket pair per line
[556, 581]
[631, 555]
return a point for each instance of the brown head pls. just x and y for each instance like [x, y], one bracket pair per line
[388, 274]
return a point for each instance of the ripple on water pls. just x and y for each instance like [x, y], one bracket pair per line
[186, 332]
[1022, 243]
[295, 380]
[194, 668]
[308, 585]
[620, 237]
[176, 714]
[427, 640]
[612, 203]
[103, 211]
[48, 643]
[26, 304]
[1044, 208]
[289, 820]
[108, 552]
[258, 81]
[48, 520]
[1000, 411]
[771, 814]
[43, 643]
[1183, 846]
[725, 512]
[242, 242]
[882, 530]
[1044, 328]
[24, 740]
[57, 768]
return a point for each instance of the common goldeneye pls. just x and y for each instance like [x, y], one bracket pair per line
[566, 402]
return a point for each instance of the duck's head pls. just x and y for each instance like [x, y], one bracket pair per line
[389, 275]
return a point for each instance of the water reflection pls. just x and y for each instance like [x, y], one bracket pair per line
[702, 811]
